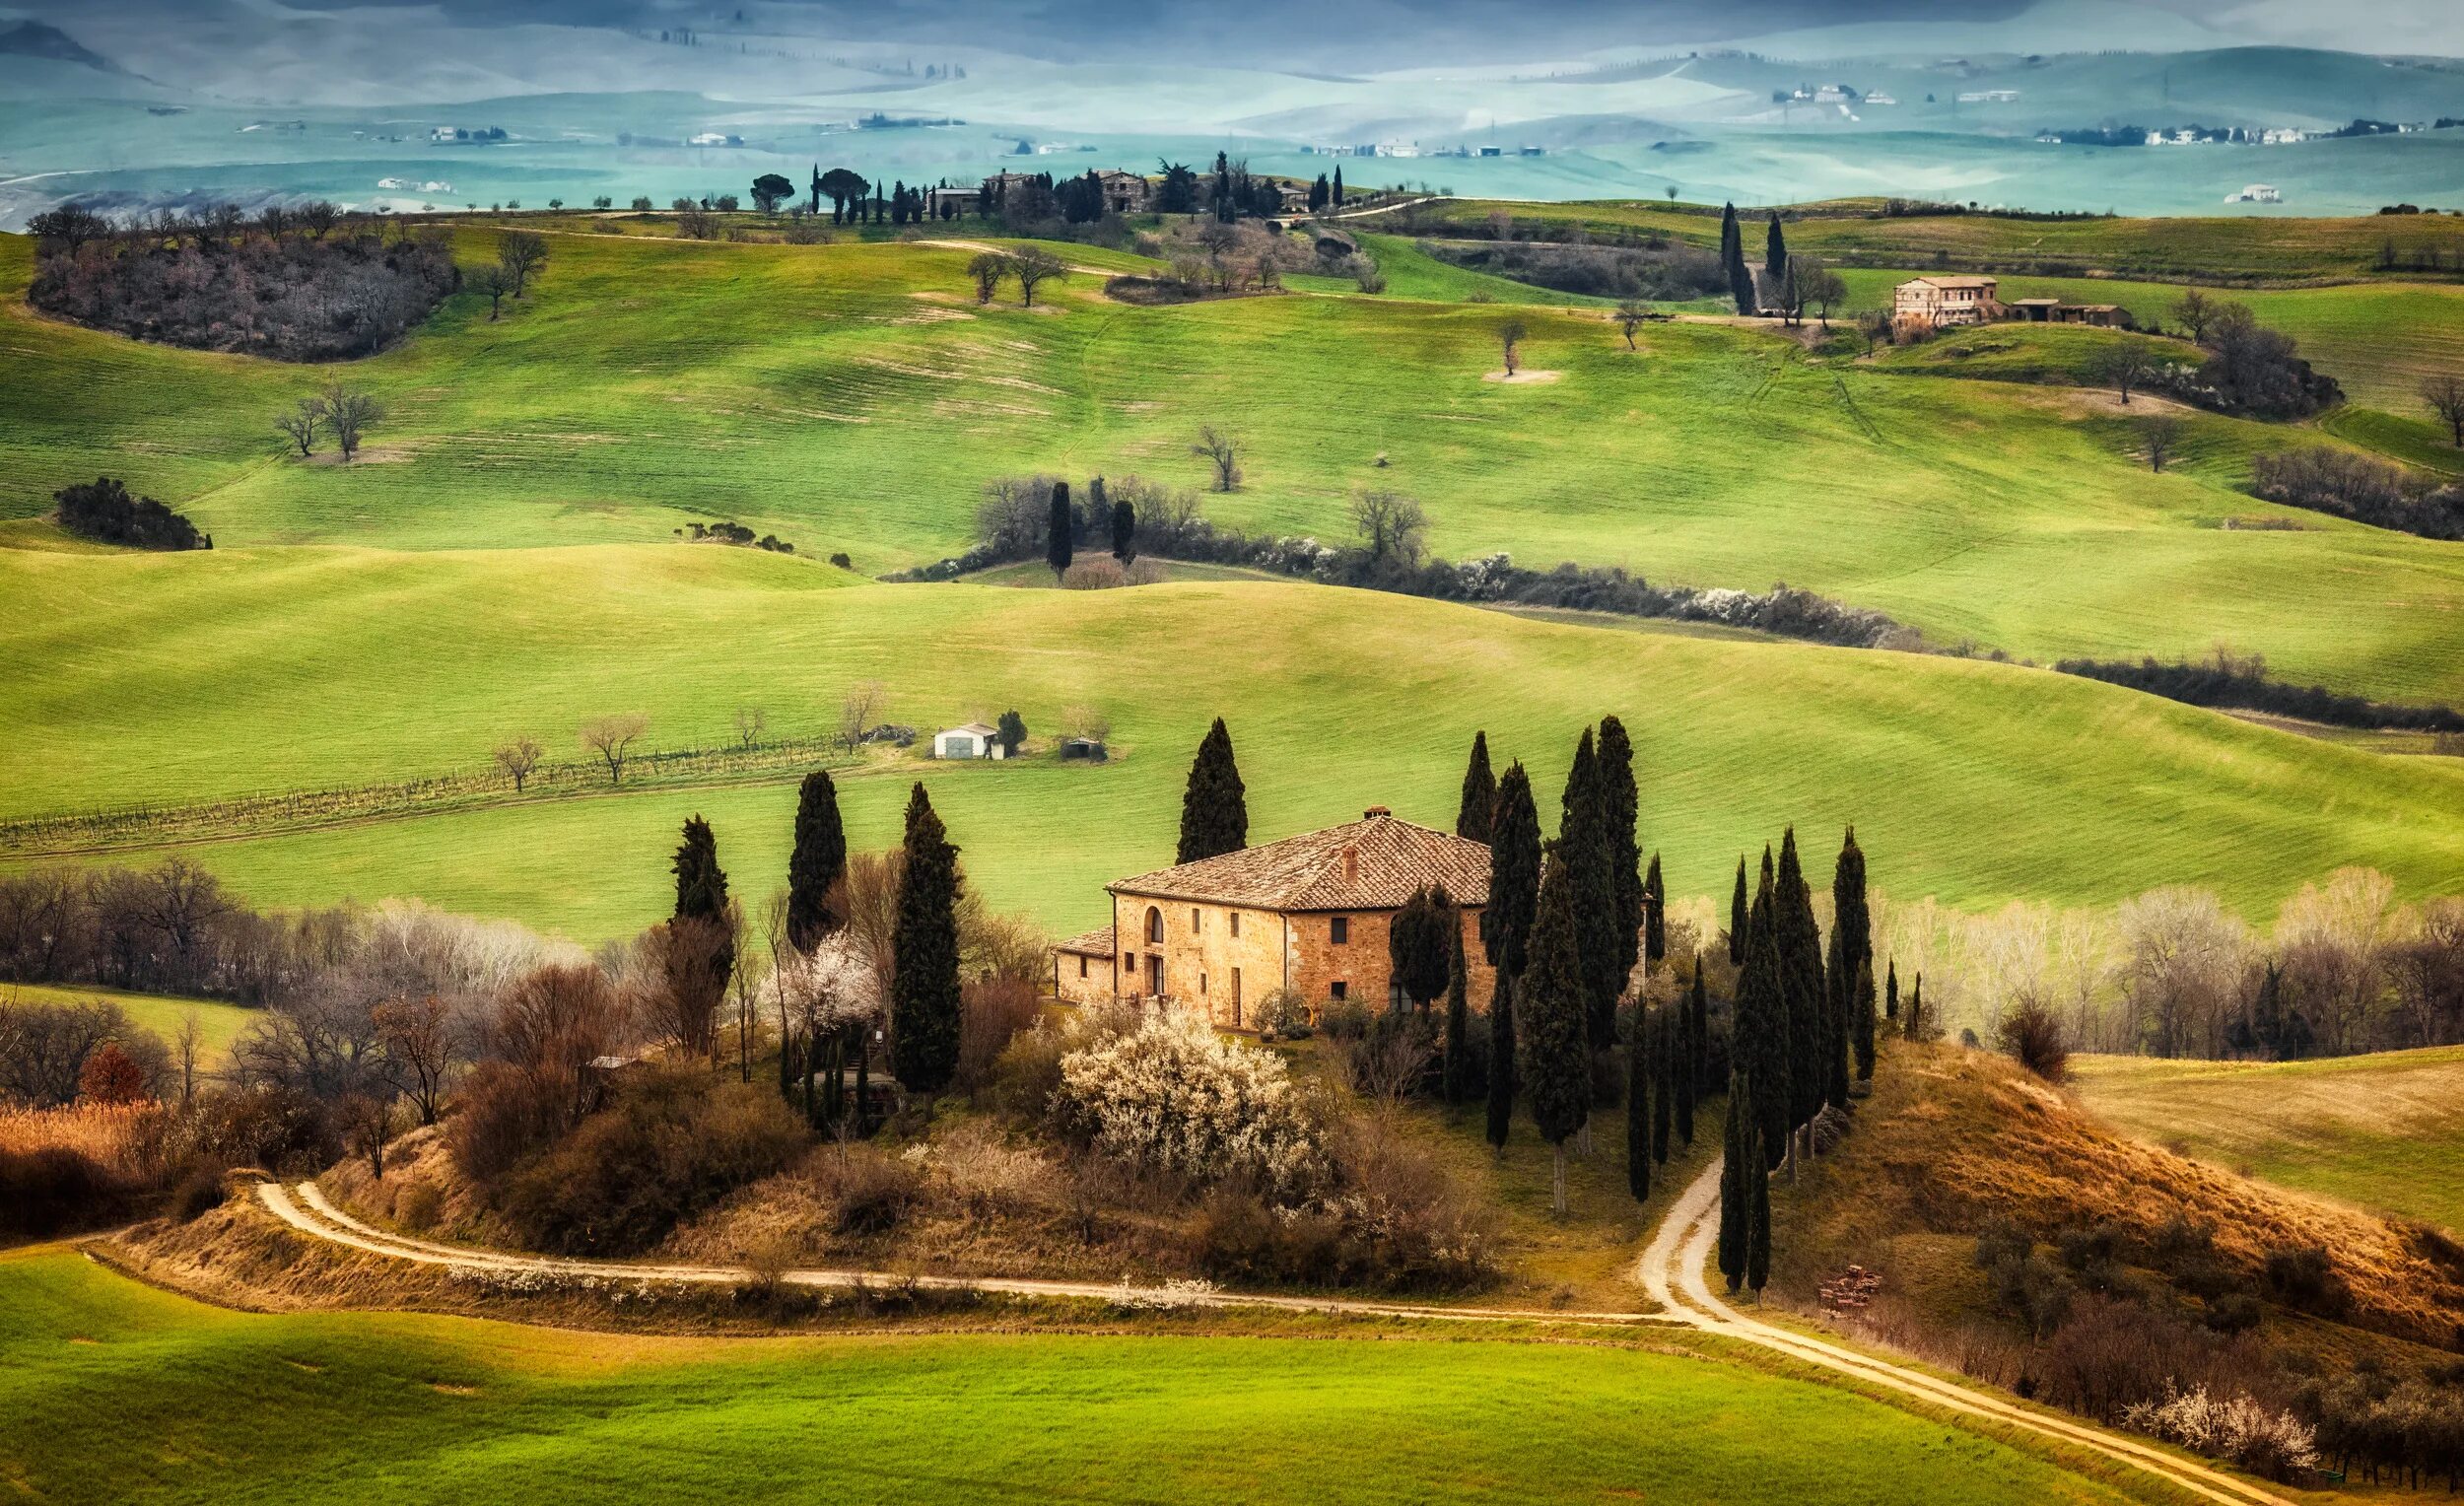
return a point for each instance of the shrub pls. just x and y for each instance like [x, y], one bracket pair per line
[1094, 572]
[1345, 1019]
[198, 1191]
[101, 510]
[1173, 1096]
[2264, 1441]
[2358, 487]
[1285, 1014]
[2031, 1035]
[53, 1190]
[279, 1129]
[419, 1207]
[866, 1191]
[2232, 1313]
[2303, 1277]
[672, 1144]
[994, 1011]
[501, 1115]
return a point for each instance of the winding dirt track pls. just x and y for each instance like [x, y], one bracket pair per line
[1672, 1270]
[306, 1209]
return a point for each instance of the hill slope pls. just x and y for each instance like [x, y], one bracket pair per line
[2384, 1132]
[176, 679]
[823, 393]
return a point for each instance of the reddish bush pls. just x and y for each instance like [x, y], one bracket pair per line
[108, 1076]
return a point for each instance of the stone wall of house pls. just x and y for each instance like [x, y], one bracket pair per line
[1081, 980]
[1205, 963]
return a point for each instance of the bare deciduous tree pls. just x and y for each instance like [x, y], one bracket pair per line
[612, 739]
[491, 283]
[858, 709]
[349, 413]
[551, 1025]
[2162, 436]
[990, 270]
[2444, 393]
[1390, 525]
[2196, 311]
[416, 1038]
[1223, 452]
[187, 1048]
[2123, 367]
[751, 722]
[1630, 316]
[517, 758]
[1034, 266]
[368, 1123]
[299, 425]
[521, 254]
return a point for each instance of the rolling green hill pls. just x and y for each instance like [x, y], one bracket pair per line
[2223, 249]
[309, 1407]
[176, 679]
[2381, 1132]
[218, 1024]
[816, 392]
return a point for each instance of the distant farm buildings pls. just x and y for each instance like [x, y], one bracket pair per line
[2258, 193]
[1940, 303]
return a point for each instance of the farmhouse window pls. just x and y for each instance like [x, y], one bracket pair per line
[1339, 933]
[1197, 923]
[1236, 924]
[1337, 989]
[1202, 983]
[1155, 924]
[1083, 967]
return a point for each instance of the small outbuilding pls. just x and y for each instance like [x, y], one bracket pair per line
[1086, 750]
[972, 740]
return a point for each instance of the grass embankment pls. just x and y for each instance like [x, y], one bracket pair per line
[198, 676]
[2384, 1132]
[815, 392]
[218, 1024]
[2217, 248]
[334, 1406]
[1955, 1140]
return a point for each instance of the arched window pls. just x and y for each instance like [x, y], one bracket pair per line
[1155, 924]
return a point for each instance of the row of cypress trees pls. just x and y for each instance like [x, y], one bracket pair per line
[1060, 528]
[1804, 1026]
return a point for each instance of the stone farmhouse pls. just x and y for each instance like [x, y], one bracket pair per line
[1307, 914]
[1938, 301]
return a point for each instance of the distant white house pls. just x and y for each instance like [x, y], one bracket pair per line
[2258, 193]
[973, 740]
[1879, 96]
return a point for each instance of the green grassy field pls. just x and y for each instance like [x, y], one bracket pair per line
[2382, 1131]
[815, 391]
[2217, 249]
[237, 1407]
[218, 1024]
[192, 677]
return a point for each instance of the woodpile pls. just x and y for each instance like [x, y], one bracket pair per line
[1851, 1289]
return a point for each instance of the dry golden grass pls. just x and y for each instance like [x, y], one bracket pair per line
[119, 1136]
[1953, 1139]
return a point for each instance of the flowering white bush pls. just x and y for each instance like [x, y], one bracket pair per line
[1172, 1095]
[1171, 1297]
[2270, 1443]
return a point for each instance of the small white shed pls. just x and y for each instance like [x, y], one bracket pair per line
[973, 740]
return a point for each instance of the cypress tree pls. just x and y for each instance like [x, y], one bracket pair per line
[1737, 918]
[1801, 979]
[1514, 873]
[817, 863]
[1833, 1060]
[1457, 1075]
[1685, 1071]
[1339, 187]
[1124, 531]
[1418, 944]
[1098, 508]
[1737, 1151]
[1479, 793]
[1057, 530]
[1741, 280]
[1663, 1075]
[1916, 1009]
[1655, 914]
[924, 994]
[1631, 912]
[701, 884]
[1556, 1065]
[1891, 994]
[1583, 850]
[1501, 1062]
[1759, 1217]
[1214, 809]
[1639, 1071]
[1852, 919]
[1760, 1043]
[1775, 252]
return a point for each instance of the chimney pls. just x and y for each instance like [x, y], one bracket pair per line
[1374, 811]
[1351, 864]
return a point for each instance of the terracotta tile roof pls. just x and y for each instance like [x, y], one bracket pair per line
[1092, 943]
[1372, 864]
